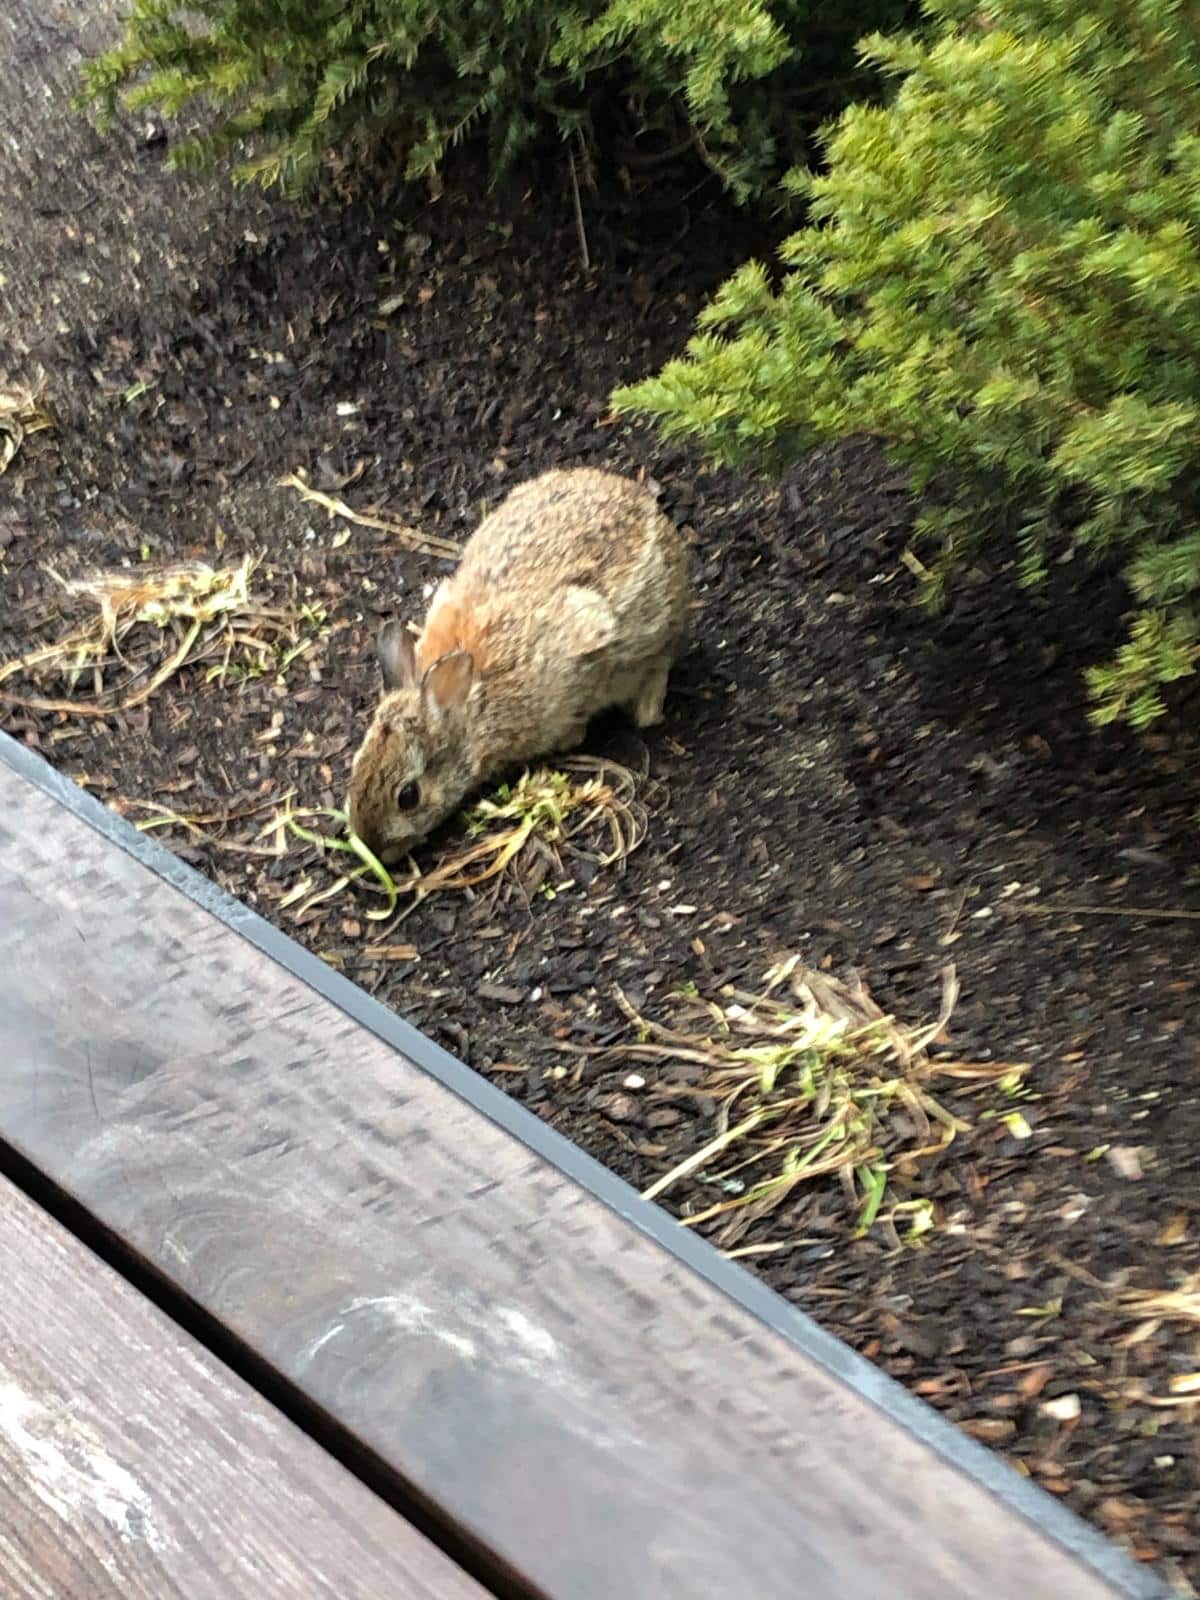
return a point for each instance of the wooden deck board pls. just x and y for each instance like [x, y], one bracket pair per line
[133, 1466]
[594, 1412]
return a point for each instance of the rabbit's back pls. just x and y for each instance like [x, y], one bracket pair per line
[569, 597]
[574, 526]
[519, 598]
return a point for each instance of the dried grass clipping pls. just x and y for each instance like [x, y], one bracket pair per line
[1150, 1310]
[145, 624]
[22, 412]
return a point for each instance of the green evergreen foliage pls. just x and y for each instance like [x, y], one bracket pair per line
[293, 79]
[1000, 278]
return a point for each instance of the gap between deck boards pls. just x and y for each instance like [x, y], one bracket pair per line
[266, 1380]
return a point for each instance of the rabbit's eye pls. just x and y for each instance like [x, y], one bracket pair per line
[407, 796]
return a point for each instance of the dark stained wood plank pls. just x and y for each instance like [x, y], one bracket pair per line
[133, 1466]
[595, 1412]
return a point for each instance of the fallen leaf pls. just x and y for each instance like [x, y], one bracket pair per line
[1175, 1231]
[1117, 1514]
[1032, 1384]
[990, 1430]
[1125, 1160]
[1052, 1308]
[934, 1386]
[921, 881]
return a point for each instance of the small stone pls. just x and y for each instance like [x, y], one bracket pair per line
[1063, 1408]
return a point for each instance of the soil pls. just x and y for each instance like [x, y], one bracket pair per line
[838, 776]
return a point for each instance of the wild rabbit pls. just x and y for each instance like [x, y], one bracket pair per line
[569, 598]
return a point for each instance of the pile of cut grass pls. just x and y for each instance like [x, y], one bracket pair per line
[525, 834]
[130, 631]
[821, 1085]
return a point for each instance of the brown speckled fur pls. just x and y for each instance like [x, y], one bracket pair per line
[570, 597]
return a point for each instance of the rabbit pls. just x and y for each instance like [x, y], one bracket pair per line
[569, 598]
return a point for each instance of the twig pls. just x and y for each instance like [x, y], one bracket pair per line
[581, 231]
[1112, 911]
[425, 544]
[948, 936]
[699, 1157]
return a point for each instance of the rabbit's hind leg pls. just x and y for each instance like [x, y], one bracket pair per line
[646, 706]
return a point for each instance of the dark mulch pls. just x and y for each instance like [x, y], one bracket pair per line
[837, 777]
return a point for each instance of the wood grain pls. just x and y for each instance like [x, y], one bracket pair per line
[596, 1414]
[133, 1466]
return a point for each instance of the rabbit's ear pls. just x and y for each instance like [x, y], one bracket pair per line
[586, 621]
[396, 655]
[448, 681]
